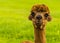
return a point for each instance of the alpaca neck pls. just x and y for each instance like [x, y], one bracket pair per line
[39, 35]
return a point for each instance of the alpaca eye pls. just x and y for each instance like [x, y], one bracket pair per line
[33, 14]
[46, 15]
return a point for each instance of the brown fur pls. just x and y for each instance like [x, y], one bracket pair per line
[38, 8]
[40, 14]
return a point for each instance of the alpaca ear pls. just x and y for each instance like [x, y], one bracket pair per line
[49, 18]
[31, 15]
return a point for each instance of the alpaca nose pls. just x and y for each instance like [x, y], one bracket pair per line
[39, 17]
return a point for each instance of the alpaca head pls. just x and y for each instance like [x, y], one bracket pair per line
[40, 14]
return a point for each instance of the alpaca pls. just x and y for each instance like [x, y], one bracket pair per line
[40, 14]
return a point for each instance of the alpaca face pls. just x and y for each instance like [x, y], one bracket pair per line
[40, 15]
[40, 18]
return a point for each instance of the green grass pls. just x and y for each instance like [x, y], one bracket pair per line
[15, 26]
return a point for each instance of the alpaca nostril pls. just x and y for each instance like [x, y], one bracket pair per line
[39, 17]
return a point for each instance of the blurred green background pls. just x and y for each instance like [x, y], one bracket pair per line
[15, 26]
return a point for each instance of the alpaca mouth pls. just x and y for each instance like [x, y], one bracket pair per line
[38, 24]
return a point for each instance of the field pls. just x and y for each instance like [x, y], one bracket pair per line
[15, 26]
